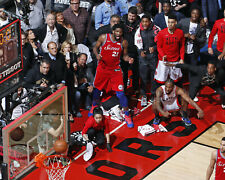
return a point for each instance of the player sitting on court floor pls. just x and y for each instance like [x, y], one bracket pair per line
[167, 100]
[96, 129]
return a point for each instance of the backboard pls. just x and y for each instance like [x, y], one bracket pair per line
[42, 125]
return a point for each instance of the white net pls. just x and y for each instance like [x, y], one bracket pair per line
[56, 166]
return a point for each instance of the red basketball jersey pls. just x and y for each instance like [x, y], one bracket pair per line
[110, 51]
[220, 166]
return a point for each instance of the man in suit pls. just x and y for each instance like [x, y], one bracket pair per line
[161, 19]
[51, 31]
[212, 10]
[57, 62]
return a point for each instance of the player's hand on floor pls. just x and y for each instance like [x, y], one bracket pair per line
[108, 147]
[166, 114]
[200, 114]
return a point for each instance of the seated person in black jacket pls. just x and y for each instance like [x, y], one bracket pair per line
[40, 76]
[205, 76]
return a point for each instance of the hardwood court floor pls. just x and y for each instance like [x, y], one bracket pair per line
[180, 153]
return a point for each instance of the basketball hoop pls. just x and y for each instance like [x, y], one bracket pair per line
[55, 165]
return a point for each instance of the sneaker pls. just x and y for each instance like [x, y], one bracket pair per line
[223, 106]
[90, 113]
[195, 99]
[129, 121]
[187, 121]
[144, 101]
[156, 121]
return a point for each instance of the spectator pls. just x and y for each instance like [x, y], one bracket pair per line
[71, 79]
[3, 18]
[140, 10]
[170, 46]
[123, 6]
[36, 45]
[131, 21]
[178, 5]
[35, 17]
[79, 19]
[28, 54]
[58, 64]
[70, 32]
[205, 76]
[51, 31]
[85, 86]
[195, 36]
[161, 19]
[81, 48]
[103, 13]
[170, 98]
[114, 19]
[211, 9]
[40, 75]
[218, 28]
[147, 51]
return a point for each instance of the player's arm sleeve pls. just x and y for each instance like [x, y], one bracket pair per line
[212, 34]
[87, 125]
[160, 44]
[182, 46]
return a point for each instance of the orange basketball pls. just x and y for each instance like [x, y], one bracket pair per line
[60, 146]
[17, 134]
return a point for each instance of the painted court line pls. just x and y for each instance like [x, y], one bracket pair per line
[114, 130]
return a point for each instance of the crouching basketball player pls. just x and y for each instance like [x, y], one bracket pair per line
[167, 101]
[218, 158]
[96, 129]
[109, 76]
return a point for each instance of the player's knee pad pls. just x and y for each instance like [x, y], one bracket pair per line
[122, 97]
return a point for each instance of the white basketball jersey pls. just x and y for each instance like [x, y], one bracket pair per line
[169, 101]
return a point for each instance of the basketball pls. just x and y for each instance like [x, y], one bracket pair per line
[17, 134]
[60, 146]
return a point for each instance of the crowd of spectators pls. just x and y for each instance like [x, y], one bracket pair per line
[58, 39]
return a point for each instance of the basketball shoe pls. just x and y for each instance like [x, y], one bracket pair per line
[156, 121]
[187, 121]
[90, 113]
[129, 121]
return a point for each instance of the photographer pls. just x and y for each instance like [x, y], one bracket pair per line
[40, 76]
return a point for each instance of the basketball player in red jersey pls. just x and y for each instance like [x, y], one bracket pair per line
[170, 46]
[109, 74]
[218, 158]
[219, 29]
[167, 101]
